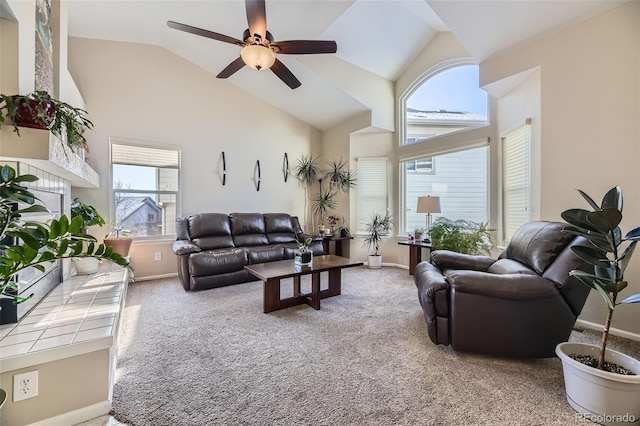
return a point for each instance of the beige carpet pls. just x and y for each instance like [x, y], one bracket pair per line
[213, 358]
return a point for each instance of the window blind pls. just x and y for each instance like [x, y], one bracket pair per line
[137, 155]
[372, 188]
[516, 180]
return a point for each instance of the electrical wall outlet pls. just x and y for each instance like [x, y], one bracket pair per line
[25, 385]
[158, 256]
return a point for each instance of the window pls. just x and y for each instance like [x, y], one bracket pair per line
[447, 102]
[460, 182]
[422, 165]
[373, 188]
[516, 180]
[445, 122]
[145, 182]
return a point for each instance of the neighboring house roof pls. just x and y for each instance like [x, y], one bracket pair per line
[444, 117]
[130, 205]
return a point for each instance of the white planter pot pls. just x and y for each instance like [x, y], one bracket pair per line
[600, 396]
[375, 262]
[86, 265]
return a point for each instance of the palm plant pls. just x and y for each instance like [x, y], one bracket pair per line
[377, 229]
[606, 253]
[33, 244]
[340, 179]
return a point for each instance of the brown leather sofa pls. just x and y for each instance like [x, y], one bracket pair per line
[213, 248]
[522, 304]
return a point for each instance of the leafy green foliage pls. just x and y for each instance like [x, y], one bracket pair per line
[89, 214]
[38, 243]
[63, 120]
[377, 230]
[461, 236]
[609, 253]
[337, 175]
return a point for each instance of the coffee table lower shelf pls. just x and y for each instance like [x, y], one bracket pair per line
[272, 273]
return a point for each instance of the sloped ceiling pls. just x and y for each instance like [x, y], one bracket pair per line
[377, 37]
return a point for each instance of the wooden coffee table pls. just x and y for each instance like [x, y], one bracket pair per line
[272, 272]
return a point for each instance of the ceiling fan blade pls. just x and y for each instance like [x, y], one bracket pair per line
[231, 68]
[302, 47]
[285, 75]
[257, 18]
[204, 33]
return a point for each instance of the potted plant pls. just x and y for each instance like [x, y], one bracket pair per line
[304, 256]
[339, 179]
[599, 382]
[118, 239]
[34, 243]
[39, 110]
[462, 236]
[90, 217]
[377, 230]
[418, 234]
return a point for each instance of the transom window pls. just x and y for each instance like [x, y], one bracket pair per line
[450, 101]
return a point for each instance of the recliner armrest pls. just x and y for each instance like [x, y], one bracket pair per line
[182, 247]
[445, 259]
[507, 286]
[302, 236]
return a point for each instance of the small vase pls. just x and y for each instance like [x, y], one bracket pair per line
[304, 257]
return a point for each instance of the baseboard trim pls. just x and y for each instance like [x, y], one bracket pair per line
[77, 416]
[615, 331]
[157, 277]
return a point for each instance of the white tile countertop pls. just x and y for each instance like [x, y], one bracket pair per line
[79, 316]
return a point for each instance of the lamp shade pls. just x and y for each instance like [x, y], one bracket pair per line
[258, 57]
[428, 205]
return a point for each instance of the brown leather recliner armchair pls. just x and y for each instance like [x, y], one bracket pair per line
[522, 304]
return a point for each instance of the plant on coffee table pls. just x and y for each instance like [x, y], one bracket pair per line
[303, 255]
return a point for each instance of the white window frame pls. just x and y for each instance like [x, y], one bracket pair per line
[112, 192]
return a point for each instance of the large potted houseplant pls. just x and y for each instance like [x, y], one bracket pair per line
[31, 243]
[39, 110]
[602, 384]
[332, 180]
[462, 236]
[377, 230]
[90, 217]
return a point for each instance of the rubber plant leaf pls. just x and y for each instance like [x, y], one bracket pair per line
[612, 199]
[590, 200]
[591, 255]
[605, 220]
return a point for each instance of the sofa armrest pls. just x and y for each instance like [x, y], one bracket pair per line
[445, 259]
[182, 247]
[302, 237]
[507, 286]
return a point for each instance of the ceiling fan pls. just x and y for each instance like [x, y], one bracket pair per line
[258, 46]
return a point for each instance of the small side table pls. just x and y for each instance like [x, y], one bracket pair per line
[415, 252]
[337, 240]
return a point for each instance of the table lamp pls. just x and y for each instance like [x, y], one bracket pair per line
[428, 205]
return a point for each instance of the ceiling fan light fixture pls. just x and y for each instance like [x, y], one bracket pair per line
[257, 56]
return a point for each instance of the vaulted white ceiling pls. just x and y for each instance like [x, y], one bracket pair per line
[377, 37]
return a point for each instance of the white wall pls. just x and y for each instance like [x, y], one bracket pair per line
[589, 134]
[146, 93]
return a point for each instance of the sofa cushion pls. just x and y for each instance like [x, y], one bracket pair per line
[210, 231]
[217, 262]
[279, 228]
[264, 254]
[538, 244]
[248, 229]
[509, 266]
